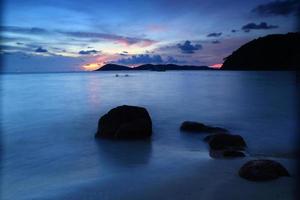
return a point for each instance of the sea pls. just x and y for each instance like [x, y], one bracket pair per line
[48, 123]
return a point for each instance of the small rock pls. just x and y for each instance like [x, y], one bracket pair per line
[262, 170]
[191, 126]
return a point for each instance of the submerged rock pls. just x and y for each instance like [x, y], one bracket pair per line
[125, 122]
[190, 126]
[233, 154]
[262, 170]
[226, 142]
[226, 154]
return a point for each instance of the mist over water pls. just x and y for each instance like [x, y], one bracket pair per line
[49, 122]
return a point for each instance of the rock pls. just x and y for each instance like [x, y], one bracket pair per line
[262, 170]
[226, 142]
[190, 126]
[226, 154]
[125, 122]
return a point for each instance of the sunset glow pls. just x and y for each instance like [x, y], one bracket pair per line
[142, 32]
[217, 66]
[91, 66]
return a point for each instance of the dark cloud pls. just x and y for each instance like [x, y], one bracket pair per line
[24, 30]
[234, 31]
[88, 52]
[187, 47]
[216, 42]
[261, 26]
[284, 8]
[214, 34]
[172, 60]
[125, 51]
[148, 59]
[19, 61]
[144, 42]
[141, 59]
[5, 48]
[41, 50]
[112, 37]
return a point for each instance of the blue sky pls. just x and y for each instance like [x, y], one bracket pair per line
[55, 35]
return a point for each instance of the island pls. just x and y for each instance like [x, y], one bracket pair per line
[152, 67]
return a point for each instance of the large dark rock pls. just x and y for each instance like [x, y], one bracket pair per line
[262, 170]
[226, 142]
[272, 52]
[190, 126]
[125, 122]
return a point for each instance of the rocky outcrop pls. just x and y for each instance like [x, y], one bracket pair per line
[226, 153]
[197, 127]
[125, 122]
[226, 142]
[272, 52]
[262, 170]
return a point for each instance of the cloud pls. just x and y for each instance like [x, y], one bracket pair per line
[283, 8]
[143, 42]
[261, 26]
[187, 47]
[140, 59]
[24, 30]
[88, 52]
[214, 34]
[172, 60]
[216, 42]
[234, 31]
[41, 50]
[112, 37]
[21, 62]
[148, 59]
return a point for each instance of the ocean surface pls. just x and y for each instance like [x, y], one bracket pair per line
[49, 120]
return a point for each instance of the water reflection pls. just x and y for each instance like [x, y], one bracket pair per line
[124, 153]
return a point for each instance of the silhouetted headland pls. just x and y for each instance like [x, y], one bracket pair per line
[151, 67]
[272, 52]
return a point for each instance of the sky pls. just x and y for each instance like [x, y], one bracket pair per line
[57, 35]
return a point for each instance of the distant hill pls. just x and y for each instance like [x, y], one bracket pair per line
[112, 67]
[170, 67]
[272, 52]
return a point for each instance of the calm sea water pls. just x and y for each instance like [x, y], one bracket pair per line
[49, 121]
